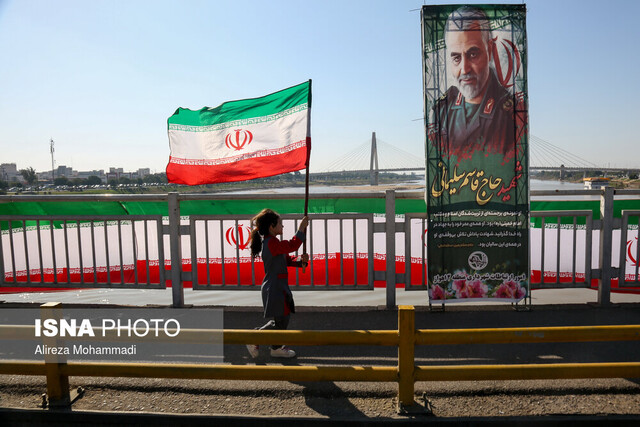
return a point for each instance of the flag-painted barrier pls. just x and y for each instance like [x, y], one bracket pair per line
[356, 241]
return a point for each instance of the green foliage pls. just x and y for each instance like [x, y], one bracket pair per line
[93, 180]
[61, 180]
[29, 175]
[155, 178]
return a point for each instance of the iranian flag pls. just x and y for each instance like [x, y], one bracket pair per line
[241, 140]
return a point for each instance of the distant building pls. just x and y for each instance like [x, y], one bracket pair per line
[44, 176]
[117, 173]
[596, 183]
[86, 174]
[9, 172]
[65, 171]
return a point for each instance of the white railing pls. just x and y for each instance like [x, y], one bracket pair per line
[128, 251]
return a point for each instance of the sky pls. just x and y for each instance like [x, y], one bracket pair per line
[101, 77]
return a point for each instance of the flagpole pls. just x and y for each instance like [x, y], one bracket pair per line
[306, 198]
[306, 179]
[306, 210]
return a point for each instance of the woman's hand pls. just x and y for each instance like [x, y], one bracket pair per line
[304, 260]
[303, 224]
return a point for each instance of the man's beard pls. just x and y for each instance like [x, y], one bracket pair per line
[473, 91]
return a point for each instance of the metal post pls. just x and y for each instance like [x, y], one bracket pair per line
[390, 229]
[606, 245]
[52, 149]
[175, 248]
[406, 350]
[57, 382]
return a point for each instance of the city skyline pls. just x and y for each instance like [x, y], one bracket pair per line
[11, 172]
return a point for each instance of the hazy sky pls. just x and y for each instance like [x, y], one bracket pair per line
[102, 77]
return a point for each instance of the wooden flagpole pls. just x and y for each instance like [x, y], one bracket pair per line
[306, 179]
[306, 207]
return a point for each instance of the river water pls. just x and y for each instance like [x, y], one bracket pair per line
[538, 184]
[412, 186]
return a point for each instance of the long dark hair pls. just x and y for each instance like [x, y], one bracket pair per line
[260, 228]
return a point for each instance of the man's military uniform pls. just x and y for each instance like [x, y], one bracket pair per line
[490, 128]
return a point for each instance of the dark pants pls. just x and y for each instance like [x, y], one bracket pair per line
[278, 322]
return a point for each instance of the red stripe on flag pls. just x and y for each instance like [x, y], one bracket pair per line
[239, 171]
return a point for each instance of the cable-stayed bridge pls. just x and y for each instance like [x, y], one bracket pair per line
[377, 156]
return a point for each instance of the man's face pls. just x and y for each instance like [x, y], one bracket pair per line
[469, 61]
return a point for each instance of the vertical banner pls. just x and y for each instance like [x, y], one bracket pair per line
[477, 192]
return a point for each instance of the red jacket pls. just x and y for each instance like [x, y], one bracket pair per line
[276, 295]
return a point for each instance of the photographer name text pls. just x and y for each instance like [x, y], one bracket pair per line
[85, 350]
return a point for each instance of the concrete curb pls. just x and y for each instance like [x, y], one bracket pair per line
[28, 417]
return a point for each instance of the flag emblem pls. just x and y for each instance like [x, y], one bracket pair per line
[235, 141]
[630, 256]
[243, 239]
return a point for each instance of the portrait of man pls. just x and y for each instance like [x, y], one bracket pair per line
[477, 147]
[477, 112]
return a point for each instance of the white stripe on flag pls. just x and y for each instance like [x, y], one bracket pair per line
[267, 138]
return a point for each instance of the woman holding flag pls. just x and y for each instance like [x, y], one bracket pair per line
[277, 298]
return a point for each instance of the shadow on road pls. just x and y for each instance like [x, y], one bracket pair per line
[327, 399]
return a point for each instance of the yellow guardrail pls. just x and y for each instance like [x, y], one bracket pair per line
[406, 373]
[528, 335]
[527, 372]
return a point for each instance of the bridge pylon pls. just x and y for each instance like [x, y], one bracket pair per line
[373, 167]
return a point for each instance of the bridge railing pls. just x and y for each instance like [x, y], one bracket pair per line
[128, 251]
[207, 234]
[627, 250]
[550, 253]
[98, 251]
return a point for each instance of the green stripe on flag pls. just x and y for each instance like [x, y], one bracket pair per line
[243, 109]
